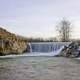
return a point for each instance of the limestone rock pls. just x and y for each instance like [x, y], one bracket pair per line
[11, 44]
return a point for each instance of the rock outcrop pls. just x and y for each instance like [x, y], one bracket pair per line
[11, 43]
[71, 51]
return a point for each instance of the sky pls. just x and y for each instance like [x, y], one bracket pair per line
[38, 18]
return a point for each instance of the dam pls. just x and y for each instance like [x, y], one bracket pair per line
[46, 48]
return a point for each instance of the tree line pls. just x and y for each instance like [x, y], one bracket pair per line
[63, 29]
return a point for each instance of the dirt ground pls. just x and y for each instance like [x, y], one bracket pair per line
[39, 68]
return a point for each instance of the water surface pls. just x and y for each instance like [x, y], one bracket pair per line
[39, 68]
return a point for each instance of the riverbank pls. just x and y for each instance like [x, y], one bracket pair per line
[39, 68]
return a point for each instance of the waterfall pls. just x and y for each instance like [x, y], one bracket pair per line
[46, 47]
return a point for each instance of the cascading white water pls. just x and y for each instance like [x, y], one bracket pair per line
[47, 47]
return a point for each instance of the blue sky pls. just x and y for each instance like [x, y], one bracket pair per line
[38, 18]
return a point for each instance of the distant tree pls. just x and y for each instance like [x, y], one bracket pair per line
[64, 30]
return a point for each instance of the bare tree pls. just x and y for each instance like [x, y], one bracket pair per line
[64, 30]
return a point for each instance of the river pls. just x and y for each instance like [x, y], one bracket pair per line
[39, 68]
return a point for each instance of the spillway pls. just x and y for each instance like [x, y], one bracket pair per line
[47, 47]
